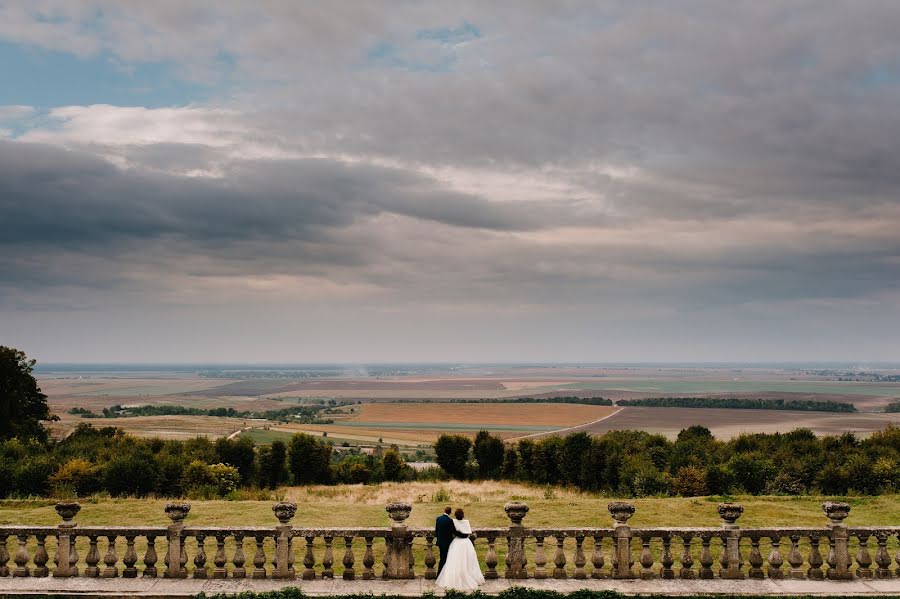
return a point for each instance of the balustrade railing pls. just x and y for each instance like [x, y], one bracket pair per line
[834, 551]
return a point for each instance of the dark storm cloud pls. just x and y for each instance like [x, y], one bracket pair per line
[50, 196]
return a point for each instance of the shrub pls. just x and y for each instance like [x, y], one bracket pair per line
[392, 465]
[131, 473]
[77, 476]
[690, 481]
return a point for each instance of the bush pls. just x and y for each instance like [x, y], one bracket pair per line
[690, 481]
[131, 473]
[392, 465]
[77, 476]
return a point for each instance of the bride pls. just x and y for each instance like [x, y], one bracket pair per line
[461, 571]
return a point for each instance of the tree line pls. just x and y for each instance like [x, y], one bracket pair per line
[806, 405]
[300, 414]
[638, 463]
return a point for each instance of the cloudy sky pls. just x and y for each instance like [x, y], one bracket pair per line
[464, 181]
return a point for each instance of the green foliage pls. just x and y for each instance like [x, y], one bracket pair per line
[273, 464]
[807, 405]
[131, 473]
[309, 460]
[452, 453]
[240, 453]
[392, 465]
[488, 450]
[22, 405]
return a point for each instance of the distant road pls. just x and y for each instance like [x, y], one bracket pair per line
[568, 429]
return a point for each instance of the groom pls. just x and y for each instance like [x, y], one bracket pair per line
[444, 532]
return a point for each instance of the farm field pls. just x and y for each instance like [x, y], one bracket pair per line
[727, 423]
[164, 427]
[433, 388]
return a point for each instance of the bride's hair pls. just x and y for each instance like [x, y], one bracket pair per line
[459, 514]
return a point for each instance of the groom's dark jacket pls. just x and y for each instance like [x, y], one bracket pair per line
[444, 531]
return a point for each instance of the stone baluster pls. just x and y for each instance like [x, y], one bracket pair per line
[666, 558]
[200, 557]
[516, 561]
[490, 558]
[559, 560]
[706, 559]
[897, 557]
[111, 558]
[259, 558]
[328, 558]
[4, 556]
[863, 559]
[130, 558]
[540, 558]
[621, 511]
[40, 557]
[882, 557]
[368, 560]
[430, 561]
[731, 555]
[775, 559]
[647, 572]
[350, 559]
[150, 558]
[836, 512]
[284, 511]
[397, 551]
[815, 559]
[579, 560]
[21, 558]
[756, 559]
[177, 511]
[597, 558]
[687, 560]
[384, 558]
[309, 559]
[65, 543]
[219, 559]
[795, 559]
[92, 558]
[238, 559]
[412, 555]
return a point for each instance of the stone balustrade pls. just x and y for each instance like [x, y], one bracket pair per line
[834, 551]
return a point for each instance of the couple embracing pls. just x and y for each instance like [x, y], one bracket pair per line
[458, 568]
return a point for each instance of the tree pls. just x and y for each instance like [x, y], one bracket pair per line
[392, 464]
[273, 464]
[22, 405]
[239, 453]
[309, 460]
[488, 451]
[452, 453]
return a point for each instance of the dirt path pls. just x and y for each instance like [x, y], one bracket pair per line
[570, 428]
[235, 434]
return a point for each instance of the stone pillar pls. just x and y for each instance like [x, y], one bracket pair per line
[398, 551]
[732, 562]
[515, 555]
[177, 511]
[621, 511]
[284, 511]
[67, 510]
[836, 512]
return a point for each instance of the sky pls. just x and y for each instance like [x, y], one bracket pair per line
[284, 181]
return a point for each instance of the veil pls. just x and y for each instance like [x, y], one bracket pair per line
[463, 526]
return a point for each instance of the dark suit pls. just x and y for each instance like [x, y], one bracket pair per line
[444, 531]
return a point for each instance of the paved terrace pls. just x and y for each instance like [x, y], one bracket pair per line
[832, 560]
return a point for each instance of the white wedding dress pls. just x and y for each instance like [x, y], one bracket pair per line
[461, 570]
